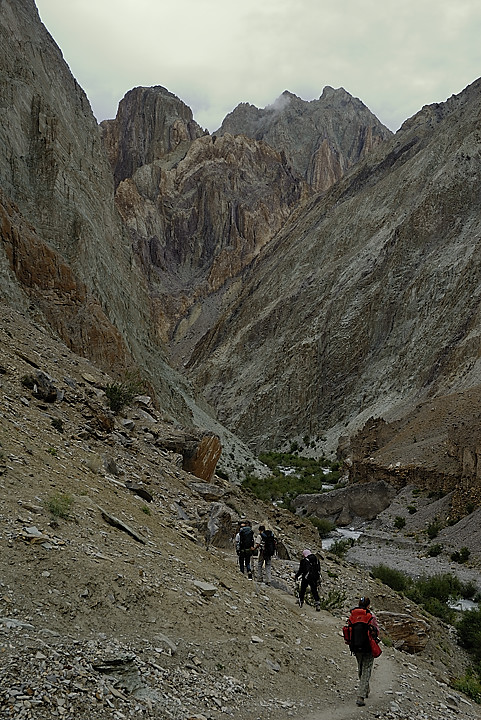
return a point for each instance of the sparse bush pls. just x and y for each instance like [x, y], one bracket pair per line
[395, 579]
[433, 529]
[470, 685]
[145, 509]
[323, 525]
[412, 509]
[57, 423]
[435, 550]
[461, 556]
[120, 394]
[340, 547]
[59, 505]
[399, 522]
[334, 599]
[52, 451]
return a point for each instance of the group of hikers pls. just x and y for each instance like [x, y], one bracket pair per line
[361, 631]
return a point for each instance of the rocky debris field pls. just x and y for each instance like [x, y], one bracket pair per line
[120, 605]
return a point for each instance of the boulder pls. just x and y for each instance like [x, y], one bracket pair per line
[200, 451]
[207, 491]
[218, 530]
[362, 500]
[406, 632]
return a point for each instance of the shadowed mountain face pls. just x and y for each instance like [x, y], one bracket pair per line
[294, 313]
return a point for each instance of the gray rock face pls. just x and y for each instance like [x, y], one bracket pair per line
[342, 506]
[66, 256]
[150, 123]
[369, 299]
[321, 139]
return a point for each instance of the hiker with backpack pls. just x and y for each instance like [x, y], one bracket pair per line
[244, 545]
[266, 544]
[362, 635]
[310, 573]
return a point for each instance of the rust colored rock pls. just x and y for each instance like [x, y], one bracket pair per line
[407, 633]
[201, 461]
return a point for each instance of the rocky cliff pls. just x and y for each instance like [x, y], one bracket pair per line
[198, 212]
[66, 256]
[321, 139]
[381, 307]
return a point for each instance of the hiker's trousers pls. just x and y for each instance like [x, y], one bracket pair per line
[267, 563]
[365, 662]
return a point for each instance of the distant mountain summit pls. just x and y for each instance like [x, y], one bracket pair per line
[321, 139]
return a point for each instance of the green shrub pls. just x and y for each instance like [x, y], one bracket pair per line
[469, 632]
[443, 587]
[323, 525]
[308, 477]
[461, 556]
[412, 509]
[120, 394]
[399, 522]
[340, 547]
[334, 599]
[433, 529]
[439, 609]
[435, 550]
[395, 579]
[470, 685]
[59, 505]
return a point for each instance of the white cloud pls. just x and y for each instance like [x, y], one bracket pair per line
[396, 57]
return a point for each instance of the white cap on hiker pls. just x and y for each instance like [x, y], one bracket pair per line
[305, 553]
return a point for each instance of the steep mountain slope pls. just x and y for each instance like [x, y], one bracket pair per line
[65, 253]
[321, 139]
[368, 301]
[112, 604]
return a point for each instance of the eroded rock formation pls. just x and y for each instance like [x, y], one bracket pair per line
[321, 139]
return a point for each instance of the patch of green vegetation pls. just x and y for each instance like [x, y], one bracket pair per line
[470, 685]
[395, 579]
[306, 475]
[433, 529]
[412, 509]
[333, 600]
[432, 593]
[59, 505]
[323, 525]
[120, 394]
[399, 522]
[52, 451]
[145, 509]
[435, 550]
[461, 556]
[340, 547]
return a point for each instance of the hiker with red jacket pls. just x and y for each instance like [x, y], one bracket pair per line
[362, 635]
[310, 573]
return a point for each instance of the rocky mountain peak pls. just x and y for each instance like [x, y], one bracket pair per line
[150, 123]
[321, 138]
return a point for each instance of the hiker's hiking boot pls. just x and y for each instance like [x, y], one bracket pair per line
[360, 701]
[249, 575]
[318, 607]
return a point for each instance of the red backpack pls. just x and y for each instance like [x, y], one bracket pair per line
[360, 634]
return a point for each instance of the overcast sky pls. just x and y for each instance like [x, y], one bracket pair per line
[214, 54]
